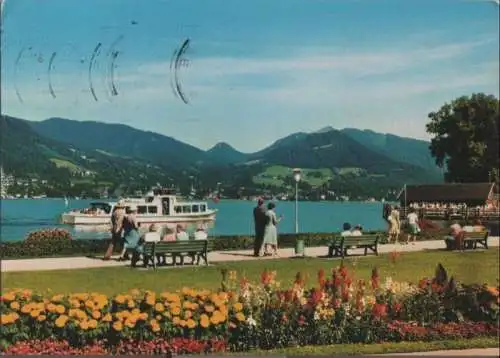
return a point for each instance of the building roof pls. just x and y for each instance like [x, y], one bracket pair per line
[468, 193]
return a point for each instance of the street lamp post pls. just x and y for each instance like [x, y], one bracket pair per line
[296, 177]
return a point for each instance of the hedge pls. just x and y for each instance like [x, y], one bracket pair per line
[58, 243]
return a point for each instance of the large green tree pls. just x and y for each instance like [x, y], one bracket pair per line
[465, 138]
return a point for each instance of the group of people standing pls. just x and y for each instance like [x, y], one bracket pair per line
[266, 232]
[393, 217]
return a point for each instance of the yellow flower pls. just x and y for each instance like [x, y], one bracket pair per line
[92, 324]
[96, 314]
[150, 300]
[84, 325]
[41, 318]
[175, 310]
[176, 320]
[57, 298]
[74, 303]
[107, 317]
[61, 321]
[9, 296]
[204, 321]
[209, 308]
[135, 311]
[135, 292]
[237, 307]
[155, 328]
[6, 319]
[214, 319]
[191, 323]
[35, 313]
[182, 323]
[188, 314]
[15, 305]
[117, 326]
[187, 305]
[159, 307]
[51, 307]
[131, 304]
[120, 299]
[60, 309]
[240, 316]
[143, 316]
[26, 308]
[130, 323]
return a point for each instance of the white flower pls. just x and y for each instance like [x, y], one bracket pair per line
[358, 318]
[388, 283]
[316, 316]
[250, 321]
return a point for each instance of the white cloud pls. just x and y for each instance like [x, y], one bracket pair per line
[389, 90]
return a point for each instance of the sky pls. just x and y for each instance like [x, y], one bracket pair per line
[255, 71]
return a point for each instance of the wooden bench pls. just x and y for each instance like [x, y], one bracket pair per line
[469, 241]
[196, 250]
[340, 244]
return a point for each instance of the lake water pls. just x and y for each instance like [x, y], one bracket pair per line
[19, 217]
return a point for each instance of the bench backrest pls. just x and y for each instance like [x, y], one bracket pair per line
[178, 246]
[476, 235]
[360, 240]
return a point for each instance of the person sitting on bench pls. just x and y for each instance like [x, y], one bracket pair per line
[456, 235]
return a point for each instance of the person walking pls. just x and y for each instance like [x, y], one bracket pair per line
[116, 229]
[260, 220]
[395, 228]
[271, 232]
[131, 234]
[413, 228]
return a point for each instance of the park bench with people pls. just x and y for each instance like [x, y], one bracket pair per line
[341, 244]
[195, 250]
[469, 240]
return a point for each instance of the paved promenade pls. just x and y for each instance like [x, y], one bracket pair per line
[68, 263]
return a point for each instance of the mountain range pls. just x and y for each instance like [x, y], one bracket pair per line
[113, 148]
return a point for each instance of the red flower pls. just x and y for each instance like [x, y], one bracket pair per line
[265, 277]
[396, 307]
[379, 310]
[321, 278]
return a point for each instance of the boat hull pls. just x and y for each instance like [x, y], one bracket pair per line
[83, 219]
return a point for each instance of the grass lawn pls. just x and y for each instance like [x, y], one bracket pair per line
[383, 348]
[468, 267]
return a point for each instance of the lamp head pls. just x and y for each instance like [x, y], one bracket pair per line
[296, 174]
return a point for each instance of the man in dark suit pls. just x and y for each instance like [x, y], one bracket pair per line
[260, 221]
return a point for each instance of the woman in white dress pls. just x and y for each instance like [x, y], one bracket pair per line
[271, 232]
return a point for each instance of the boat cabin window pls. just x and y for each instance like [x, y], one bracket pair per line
[100, 207]
[186, 209]
[178, 209]
[152, 209]
[142, 209]
[149, 199]
[195, 209]
[203, 208]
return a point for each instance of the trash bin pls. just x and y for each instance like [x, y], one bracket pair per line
[299, 247]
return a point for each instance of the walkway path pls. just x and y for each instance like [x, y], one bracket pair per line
[68, 263]
[477, 352]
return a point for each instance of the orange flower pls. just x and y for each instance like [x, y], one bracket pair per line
[204, 321]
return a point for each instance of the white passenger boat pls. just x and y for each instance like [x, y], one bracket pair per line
[159, 206]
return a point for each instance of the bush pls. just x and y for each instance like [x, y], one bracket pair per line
[49, 247]
[246, 316]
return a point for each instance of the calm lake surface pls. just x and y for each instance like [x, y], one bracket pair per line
[19, 217]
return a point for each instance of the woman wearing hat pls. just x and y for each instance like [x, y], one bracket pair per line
[116, 228]
[130, 232]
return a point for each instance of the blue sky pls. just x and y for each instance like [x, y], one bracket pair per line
[258, 70]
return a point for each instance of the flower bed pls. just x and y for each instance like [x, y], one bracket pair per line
[243, 316]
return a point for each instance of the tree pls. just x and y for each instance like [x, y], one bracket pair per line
[465, 138]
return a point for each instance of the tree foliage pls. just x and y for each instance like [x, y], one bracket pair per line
[465, 138]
